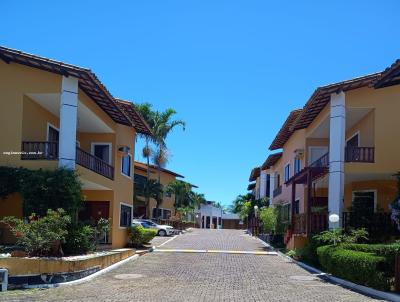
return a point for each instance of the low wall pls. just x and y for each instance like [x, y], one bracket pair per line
[25, 270]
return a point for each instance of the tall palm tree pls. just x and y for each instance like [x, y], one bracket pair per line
[147, 113]
[161, 124]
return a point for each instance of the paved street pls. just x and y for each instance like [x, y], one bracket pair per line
[196, 277]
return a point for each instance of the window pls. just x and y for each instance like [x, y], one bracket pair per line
[102, 151]
[162, 213]
[297, 165]
[297, 207]
[52, 133]
[126, 165]
[125, 215]
[140, 184]
[364, 202]
[287, 172]
[285, 212]
[353, 141]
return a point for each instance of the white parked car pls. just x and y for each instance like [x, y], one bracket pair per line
[162, 230]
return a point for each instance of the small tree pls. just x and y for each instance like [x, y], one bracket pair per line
[269, 219]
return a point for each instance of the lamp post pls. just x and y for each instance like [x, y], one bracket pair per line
[255, 227]
[334, 218]
[194, 223]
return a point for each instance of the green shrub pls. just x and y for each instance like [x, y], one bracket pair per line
[42, 236]
[338, 236]
[269, 219]
[359, 267]
[43, 189]
[138, 235]
[80, 240]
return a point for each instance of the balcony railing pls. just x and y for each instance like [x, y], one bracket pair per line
[321, 162]
[360, 154]
[36, 150]
[277, 191]
[42, 150]
[376, 224]
[93, 163]
[300, 223]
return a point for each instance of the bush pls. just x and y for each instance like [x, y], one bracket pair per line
[42, 236]
[338, 236]
[43, 189]
[81, 239]
[359, 267]
[268, 217]
[138, 235]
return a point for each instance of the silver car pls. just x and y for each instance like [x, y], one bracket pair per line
[162, 230]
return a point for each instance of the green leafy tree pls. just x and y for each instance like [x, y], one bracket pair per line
[269, 219]
[182, 192]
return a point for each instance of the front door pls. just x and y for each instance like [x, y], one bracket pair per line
[94, 210]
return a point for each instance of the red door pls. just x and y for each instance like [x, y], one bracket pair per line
[94, 210]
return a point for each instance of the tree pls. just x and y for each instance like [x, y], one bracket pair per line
[182, 192]
[269, 219]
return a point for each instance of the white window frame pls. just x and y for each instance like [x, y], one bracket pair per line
[284, 172]
[52, 126]
[119, 216]
[359, 137]
[130, 167]
[93, 144]
[375, 191]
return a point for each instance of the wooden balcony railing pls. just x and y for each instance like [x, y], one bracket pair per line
[277, 191]
[319, 222]
[42, 150]
[360, 154]
[93, 163]
[300, 223]
[35, 150]
[376, 224]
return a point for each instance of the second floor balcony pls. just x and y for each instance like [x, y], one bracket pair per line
[48, 150]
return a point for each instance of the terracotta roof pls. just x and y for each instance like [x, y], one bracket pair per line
[87, 80]
[251, 186]
[271, 160]
[286, 131]
[137, 120]
[321, 97]
[254, 174]
[143, 167]
[390, 76]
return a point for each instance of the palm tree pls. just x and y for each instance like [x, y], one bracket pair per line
[182, 193]
[147, 113]
[161, 124]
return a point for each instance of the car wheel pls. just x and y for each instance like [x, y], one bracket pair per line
[162, 233]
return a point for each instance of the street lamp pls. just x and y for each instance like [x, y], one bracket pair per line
[255, 224]
[194, 223]
[334, 218]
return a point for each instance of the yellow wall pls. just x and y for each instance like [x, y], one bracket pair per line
[23, 119]
[165, 179]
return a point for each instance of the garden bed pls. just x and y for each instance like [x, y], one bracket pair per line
[50, 270]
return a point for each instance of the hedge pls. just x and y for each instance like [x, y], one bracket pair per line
[138, 235]
[356, 266]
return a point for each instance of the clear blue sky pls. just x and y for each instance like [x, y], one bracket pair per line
[232, 69]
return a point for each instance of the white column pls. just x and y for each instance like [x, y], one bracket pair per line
[263, 184]
[68, 121]
[271, 186]
[336, 156]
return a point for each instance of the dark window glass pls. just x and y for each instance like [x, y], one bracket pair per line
[126, 165]
[102, 152]
[125, 216]
[353, 142]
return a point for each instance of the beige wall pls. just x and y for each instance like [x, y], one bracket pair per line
[296, 141]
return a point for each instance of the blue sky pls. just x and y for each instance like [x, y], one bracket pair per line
[232, 69]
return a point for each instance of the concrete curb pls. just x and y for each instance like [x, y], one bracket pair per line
[87, 278]
[374, 293]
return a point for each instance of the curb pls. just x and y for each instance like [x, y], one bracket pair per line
[90, 277]
[374, 293]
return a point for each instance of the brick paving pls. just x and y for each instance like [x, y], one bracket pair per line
[200, 277]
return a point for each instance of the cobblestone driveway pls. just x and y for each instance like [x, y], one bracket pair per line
[200, 277]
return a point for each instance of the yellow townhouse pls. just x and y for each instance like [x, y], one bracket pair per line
[67, 117]
[166, 209]
[341, 147]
